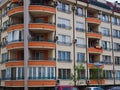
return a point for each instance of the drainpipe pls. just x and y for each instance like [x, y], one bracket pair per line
[55, 39]
[74, 40]
[87, 79]
[26, 22]
[112, 47]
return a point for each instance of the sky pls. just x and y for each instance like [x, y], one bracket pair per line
[113, 0]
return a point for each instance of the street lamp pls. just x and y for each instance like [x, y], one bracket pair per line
[98, 65]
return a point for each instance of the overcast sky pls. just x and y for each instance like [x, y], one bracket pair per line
[113, 0]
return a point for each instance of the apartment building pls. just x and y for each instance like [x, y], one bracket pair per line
[42, 41]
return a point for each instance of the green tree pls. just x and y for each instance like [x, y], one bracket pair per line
[76, 76]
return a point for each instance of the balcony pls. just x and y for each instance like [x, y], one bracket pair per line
[36, 8]
[38, 26]
[15, 45]
[42, 44]
[14, 83]
[34, 83]
[14, 63]
[93, 20]
[91, 65]
[95, 82]
[93, 34]
[41, 83]
[99, 4]
[96, 49]
[15, 26]
[17, 10]
[42, 62]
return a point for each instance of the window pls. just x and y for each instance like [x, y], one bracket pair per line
[64, 23]
[79, 26]
[117, 75]
[80, 42]
[63, 7]
[4, 57]
[5, 25]
[3, 72]
[116, 46]
[82, 74]
[116, 33]
[41, 73]
[63, 56]
[106, 59]
[19, 73]
[5, 12]
[117, 60]
[79, 11]
[106, 45]
[80, 57]
[105, 31]
[8, 73]
[64, 39]
[39, 55]
[15, 36]
[108, 74]
[4, 42]
[104, 17]
[116, 20]
[64, 73]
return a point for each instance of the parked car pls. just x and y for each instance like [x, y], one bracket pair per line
[66, 88]
[115, 88]
[93, 88]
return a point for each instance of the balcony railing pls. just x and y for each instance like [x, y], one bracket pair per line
[107, 63]
[20, 40]
[42, 4]
[64, 78]
[41, 59]
[42, 40]
[15, 59]
[14, 23]
[41, 78]
[15, 6]
[64, 10]
[65, 60]
[4, 44]
[13, 78]
[80, 29]
[108, 49]
[117, 50]
[81, 45]
[64, 43]
[48, 22]
[64, 26]
[99, 4]
[81, 61]
[97, 32]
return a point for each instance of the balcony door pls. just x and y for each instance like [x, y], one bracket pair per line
[39, 55]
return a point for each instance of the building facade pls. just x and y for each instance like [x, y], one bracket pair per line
[43, 40]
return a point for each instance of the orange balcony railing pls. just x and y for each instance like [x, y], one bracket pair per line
[34, 83]
[96, 49]
[91, 65]
[15, 45]
[93, 20]
[15, 10]
[42, 8]
[42, 62]
[42, 26]
[14, 83]
[94, 35]
[95, 82]
[42, 44]
[15, 26]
